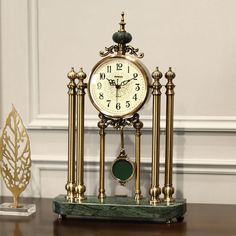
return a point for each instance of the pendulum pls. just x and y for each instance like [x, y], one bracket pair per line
[122, 168]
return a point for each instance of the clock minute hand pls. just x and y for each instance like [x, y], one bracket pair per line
[125, 82]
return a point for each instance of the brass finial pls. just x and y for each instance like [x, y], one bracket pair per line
[170, 74]
[81, 75]
[122, 22]
[72, 74]
[156, 74]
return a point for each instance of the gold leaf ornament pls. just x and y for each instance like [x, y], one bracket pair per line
[15, 156]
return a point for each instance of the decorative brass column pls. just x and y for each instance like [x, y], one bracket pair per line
[168, 189]
[102, 126]
[138, 126]
[155, 190]
[80, 187]
[70, 185]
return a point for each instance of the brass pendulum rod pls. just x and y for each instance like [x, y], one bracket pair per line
[70, 185]
[122, 142]
[102, 126]
[80, 187]
[155, 190]
[138, 126]
[168, 189]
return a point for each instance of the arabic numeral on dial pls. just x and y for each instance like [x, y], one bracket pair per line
[119, 66]
[102, 76]
[108, 69]
[128, 69]
[108, 103]
[118, 106]
[127, 104]
[137, 88]
[99, 85]
[135, 97]
[101, 96]
[135, 75]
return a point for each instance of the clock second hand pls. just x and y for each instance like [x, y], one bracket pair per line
[117, 90]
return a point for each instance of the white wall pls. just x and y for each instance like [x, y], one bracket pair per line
[42, 39]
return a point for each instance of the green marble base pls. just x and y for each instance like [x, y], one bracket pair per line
[120, 208]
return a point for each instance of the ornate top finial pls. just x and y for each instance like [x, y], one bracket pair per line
[122, 22]
[122, 38]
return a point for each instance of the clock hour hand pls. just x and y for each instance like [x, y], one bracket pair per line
[111, 82]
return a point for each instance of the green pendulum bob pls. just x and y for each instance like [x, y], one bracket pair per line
[122, 168]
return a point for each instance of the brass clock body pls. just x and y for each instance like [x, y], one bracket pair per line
[118, 86]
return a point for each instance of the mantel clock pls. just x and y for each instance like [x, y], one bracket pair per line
[118, 87]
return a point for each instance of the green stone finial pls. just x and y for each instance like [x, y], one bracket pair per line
[122, 37]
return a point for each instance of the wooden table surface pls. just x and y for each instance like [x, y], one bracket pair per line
[200, 220]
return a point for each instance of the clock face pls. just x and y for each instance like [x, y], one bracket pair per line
[118, 86]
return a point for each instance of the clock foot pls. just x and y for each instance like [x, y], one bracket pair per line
[60, 217]
[169, 221]
[180, 219]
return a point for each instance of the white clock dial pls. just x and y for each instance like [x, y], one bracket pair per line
[118, 86]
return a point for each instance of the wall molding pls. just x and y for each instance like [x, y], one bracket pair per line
[181, 166]
[59, 121]
[42, 163]
[181, 123]
[51, 163]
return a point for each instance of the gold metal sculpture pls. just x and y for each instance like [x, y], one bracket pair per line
[15, 157]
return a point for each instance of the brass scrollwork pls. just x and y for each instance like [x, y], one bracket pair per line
[133, 51]
[127, 49]
[120, 122]
[109, 50]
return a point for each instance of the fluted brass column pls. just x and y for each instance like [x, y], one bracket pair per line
[155, 190]
[138, 126]
[102, 126]
[168, 189]
[70, 185]
[80, 187]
